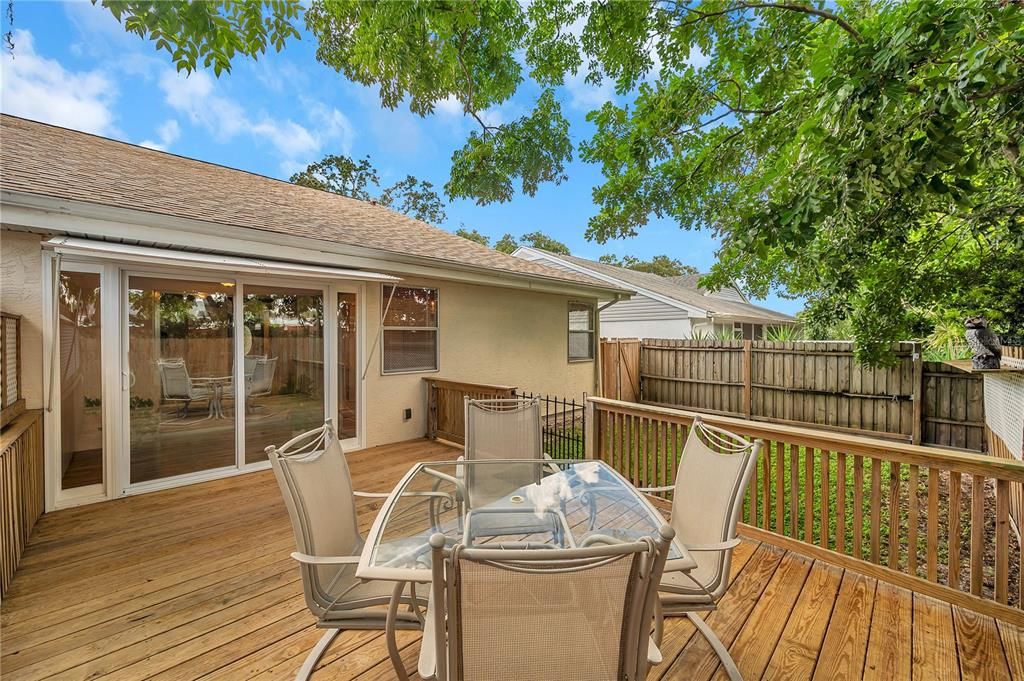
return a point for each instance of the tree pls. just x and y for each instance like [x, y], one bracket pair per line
[212, 32]
[509, 243]
[863, 153]
[662, 265]
[473, 235]
[341, 175]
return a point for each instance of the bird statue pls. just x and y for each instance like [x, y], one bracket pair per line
[985, 347]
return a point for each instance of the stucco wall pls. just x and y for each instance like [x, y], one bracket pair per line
[21, 280]
[487, 335]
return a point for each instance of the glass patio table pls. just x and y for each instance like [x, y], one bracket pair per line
[500, 504]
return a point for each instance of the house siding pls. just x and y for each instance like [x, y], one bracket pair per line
[641, 308]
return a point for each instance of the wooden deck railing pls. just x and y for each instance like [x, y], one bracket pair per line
[21, 489]
[446, 416]
[933, 521]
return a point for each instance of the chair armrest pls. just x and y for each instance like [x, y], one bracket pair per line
[460, 487]
[600, 539]
[372, 495]
[664, 488]
[307, 559]
[653, 653]
[427, 666]
[710, 548]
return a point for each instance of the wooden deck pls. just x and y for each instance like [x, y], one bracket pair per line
[197, 583]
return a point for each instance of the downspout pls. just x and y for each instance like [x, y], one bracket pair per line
[599, 364]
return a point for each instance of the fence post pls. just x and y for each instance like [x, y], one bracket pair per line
[747, 371]
[918, 397]
[589, 430]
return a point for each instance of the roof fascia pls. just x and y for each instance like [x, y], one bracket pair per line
[61, 216]
[700, 312]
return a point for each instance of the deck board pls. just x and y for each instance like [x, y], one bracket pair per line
[196, 583]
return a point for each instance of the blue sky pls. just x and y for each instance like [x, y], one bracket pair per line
[73, 65]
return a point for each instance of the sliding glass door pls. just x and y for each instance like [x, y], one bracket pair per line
[80, 376]
[180, 358]
[284, 379]
[216, 370]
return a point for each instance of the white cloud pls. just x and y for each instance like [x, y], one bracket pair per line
[167, 134]
[450, 106]
[196, 97]
[587, 96]
[34, 87]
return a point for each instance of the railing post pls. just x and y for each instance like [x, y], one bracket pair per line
[590, 430]
[431, 410]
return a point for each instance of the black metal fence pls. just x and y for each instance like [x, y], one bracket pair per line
[564, 423]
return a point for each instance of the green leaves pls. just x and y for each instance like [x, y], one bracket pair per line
[341, 175]
[534, 149]
[863, 153]
[210, 33]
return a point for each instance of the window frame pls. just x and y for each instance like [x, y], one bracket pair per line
[592, 309]
[436, 329]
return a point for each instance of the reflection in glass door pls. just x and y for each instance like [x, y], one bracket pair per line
[80, 373]
[180, 358]
[283, 365]
[348, 369]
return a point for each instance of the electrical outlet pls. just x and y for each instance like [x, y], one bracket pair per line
[406, 414]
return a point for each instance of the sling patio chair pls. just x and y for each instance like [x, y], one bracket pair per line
[260, 381]
[313, 475]
[582, 614]
[711, 477]
[177, 386]
[508, 428]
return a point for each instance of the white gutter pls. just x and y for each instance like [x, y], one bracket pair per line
[223, 263]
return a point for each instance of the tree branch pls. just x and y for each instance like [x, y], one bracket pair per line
[788, 6]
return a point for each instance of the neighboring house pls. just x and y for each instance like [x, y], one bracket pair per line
[179, 316]
[665, 307]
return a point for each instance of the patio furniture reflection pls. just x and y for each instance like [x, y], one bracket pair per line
[177, 386]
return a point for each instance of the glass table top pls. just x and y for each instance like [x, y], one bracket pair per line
[510, 504]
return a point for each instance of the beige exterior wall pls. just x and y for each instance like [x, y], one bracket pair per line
[21, 279]
[487, 335]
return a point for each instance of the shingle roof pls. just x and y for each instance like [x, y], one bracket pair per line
[677, 289]
[45, 160]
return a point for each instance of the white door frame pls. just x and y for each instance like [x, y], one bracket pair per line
[115, 389]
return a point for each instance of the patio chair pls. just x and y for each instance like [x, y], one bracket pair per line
[711, 477]
[536, 615]
[313, 475]
[177, 386]
[260, 380]
[507, 428]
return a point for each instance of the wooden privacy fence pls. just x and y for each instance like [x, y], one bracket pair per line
[620, 373]
[932, 521]
[446, 416]
[21, 489]
[817, 383]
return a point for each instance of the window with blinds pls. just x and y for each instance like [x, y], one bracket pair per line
[581, 332]
[410, 329]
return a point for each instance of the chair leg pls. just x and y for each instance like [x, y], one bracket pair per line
[314, 655]
[716, 644]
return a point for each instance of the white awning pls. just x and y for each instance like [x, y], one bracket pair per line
[223, 263]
